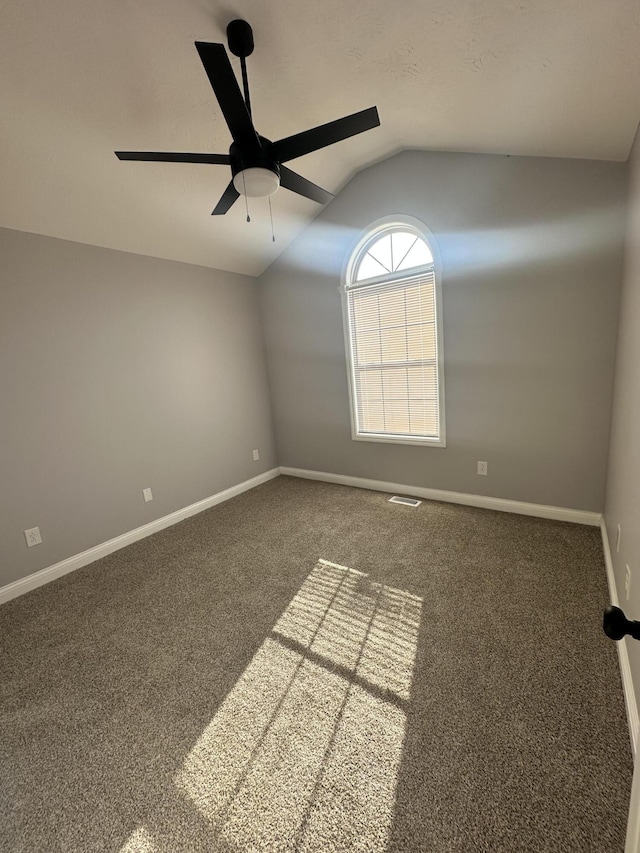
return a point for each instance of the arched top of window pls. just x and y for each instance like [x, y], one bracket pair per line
[397, 250]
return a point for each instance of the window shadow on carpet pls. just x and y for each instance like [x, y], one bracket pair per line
[304, 752]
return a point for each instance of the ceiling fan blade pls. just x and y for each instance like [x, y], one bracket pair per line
[173, 157]
[297, 184]
[227, 199]
[326, 134]
[225, 86]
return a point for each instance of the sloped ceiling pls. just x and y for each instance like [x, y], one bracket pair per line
[80, 79]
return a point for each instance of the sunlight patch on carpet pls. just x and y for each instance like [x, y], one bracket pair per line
[139, 842]
[304, 752]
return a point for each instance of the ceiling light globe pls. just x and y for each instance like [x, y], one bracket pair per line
[256, 182]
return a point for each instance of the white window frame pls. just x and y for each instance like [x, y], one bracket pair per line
[360, 246]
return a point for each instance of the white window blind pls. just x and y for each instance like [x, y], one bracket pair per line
[393, 339]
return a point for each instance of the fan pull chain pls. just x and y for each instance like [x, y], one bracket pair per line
[273, 236]
[246, 200]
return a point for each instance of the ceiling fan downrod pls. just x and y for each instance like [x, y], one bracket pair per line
[240, 41]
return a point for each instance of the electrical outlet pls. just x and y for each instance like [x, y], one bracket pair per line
[148, 495]
[627, 580]
[483, 468]
[32, 535]
[619, 534]
[256, 455]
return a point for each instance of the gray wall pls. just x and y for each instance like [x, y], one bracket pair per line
[623, 476]
[119, 372]
[531, 253]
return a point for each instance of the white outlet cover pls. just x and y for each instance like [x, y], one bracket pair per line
[256, 455]
[483, 468]
[32, 536]
[148, 495]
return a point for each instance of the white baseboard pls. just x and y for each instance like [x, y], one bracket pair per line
[33, 581]
[557, 513]
[623, 653]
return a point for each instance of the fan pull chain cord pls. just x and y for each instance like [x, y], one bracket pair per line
[273, 236]
[246, 200]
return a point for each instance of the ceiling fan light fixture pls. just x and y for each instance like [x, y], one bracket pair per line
[256, 182]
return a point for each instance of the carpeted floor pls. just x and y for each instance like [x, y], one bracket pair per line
[308, 667]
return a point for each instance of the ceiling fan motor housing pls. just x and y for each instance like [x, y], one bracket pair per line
[256, 158]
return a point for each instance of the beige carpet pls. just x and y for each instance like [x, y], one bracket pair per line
[310, 668]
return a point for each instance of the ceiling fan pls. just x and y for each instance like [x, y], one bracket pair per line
[256, 163]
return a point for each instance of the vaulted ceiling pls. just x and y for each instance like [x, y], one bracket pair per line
[78, 79]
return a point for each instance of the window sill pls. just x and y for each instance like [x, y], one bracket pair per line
[388, 439]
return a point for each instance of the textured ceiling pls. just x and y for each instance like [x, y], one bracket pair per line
[80, 79]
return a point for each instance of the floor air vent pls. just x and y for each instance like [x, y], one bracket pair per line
[406, 501]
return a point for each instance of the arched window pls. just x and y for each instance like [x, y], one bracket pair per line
[393, 327]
